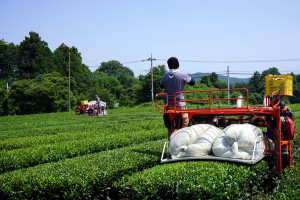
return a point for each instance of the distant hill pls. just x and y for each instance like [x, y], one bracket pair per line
[197, 76]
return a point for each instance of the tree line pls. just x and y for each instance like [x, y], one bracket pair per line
[36, 80]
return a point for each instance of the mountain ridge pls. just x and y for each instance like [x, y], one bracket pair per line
[197, 76]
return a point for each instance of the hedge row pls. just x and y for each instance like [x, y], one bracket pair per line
[20, 158]
[82, 177]
[288, 186]
[52, 137]
[51, 124]
[98, 175]
[195, 180]
[78, 132]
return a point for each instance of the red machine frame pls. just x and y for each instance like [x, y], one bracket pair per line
[268, 116]
[86, 109]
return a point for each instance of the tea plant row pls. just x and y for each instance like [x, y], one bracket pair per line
[113, 158]
[26, 157]
[83, 177]
[78, 132]
[195, 180]
[51, 124]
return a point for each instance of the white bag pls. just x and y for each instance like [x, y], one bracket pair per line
[193, 141]
[239, 142]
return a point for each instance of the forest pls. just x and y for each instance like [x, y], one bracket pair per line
[33, 79]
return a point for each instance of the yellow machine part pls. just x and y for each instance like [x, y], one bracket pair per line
[84, 102]
[282, 82]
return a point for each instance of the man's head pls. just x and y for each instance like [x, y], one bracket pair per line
[96, 96]
[173, 63]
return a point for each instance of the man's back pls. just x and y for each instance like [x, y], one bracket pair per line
[172, 82]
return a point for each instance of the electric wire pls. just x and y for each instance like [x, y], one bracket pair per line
[195, 61]
[199, 61]
[28, 60]
[236, 61]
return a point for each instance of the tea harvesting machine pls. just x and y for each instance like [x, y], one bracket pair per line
[90, 108]
[274, 117]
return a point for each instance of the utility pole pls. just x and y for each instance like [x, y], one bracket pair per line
[69, 83]
[228, 84]
[152, 95]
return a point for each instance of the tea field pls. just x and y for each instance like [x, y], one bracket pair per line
[68, 156]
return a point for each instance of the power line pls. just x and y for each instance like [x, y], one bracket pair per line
[236, 61]
[198, 61]
[137, 61]
[20, 61]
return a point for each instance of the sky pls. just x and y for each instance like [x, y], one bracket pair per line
[205, 35]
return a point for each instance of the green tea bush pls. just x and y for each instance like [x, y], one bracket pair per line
[20, 158]
[55, 123]
[195, 180]
[68, 156]
[57, 136]
[295, 107]
[289, 186]
[79, 132]
[84, 177]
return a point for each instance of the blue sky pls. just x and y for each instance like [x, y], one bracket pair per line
[218, 31]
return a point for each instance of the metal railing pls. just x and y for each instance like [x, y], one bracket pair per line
[209, 99]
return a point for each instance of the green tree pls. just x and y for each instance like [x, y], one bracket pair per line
[78, 70]
[214, 77]
[7, 60]
[129, 93]
[3, 102]
[213, 81]
[44, 94]
[216, 82]
[35, 57]
[115, 68]
[56, 87]
[120, 83]
[270, 71]
[206, 80]
[146, 84]
[108, 88]
[255, 83]
[241, 85]
[61, 59]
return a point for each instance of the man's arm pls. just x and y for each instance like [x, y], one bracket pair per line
[161, 85]
[192, 81]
